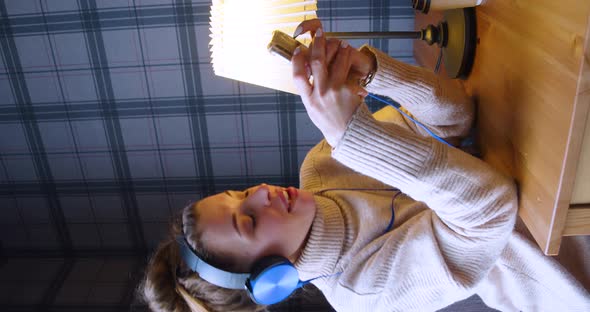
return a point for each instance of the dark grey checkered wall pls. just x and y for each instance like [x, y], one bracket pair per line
[111, 119]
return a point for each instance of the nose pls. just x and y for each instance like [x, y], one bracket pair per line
[258, 198]
[262, 197]
[261, 194]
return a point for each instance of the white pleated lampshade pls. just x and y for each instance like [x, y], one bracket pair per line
[241, 31]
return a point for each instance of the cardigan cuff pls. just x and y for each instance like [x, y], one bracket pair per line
[404, 83]
[395, 158]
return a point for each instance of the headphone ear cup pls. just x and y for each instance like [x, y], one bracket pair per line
[272, 279]
[267, 262]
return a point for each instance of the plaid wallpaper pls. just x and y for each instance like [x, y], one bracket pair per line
[111, 119]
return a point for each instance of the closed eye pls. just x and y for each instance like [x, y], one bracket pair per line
[237, 194]
[248, 223]
[253, 221]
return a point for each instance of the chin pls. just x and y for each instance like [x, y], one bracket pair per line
[306, 202]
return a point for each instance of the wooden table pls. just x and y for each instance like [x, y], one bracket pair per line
[531, 82]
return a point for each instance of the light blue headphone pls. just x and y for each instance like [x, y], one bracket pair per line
[271, 280]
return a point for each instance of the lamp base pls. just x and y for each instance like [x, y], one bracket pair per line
[456, 36]
[459, 51]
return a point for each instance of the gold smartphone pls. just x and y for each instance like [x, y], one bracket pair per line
[283, 45]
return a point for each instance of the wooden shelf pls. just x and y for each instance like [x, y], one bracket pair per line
[531, 82]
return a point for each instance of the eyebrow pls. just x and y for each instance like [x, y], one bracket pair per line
[235, 223]
[234, 219]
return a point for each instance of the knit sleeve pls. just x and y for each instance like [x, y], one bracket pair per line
[474, 208]
[441, 104]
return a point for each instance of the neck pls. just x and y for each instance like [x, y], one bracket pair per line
[295, 256]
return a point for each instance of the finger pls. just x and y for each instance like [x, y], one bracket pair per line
[362, 92]
[362, 63]
[340, 68]
[318, 61]
[305, 26]
[332, 46]
[356, 89]
[300, 75]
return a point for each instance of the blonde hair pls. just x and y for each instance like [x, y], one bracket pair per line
[194, 304]
[170, 286]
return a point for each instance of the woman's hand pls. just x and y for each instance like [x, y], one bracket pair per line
[333, 97]
[362, 64]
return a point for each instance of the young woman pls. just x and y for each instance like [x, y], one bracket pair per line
[452, 233]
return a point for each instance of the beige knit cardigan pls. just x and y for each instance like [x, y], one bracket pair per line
[453, 234]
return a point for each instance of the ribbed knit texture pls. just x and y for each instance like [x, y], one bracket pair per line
[438, 103]
[455, 239]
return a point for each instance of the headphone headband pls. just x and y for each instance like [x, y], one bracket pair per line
[208, 272]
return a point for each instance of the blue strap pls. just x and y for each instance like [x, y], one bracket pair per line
[390, 225]
[303, 283]
[412, 119]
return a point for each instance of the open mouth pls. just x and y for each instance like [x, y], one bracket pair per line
[286, 199]
[290, 194]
